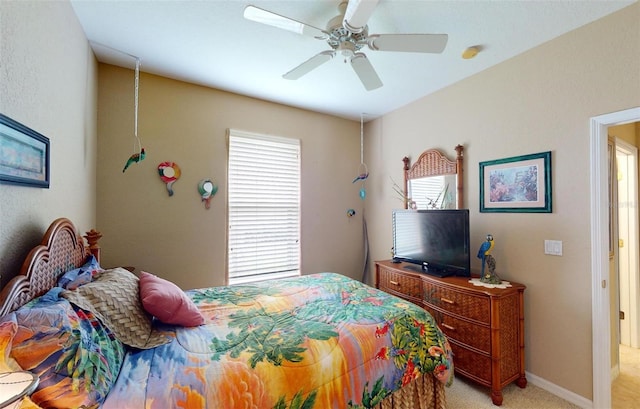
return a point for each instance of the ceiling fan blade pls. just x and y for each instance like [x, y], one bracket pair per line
[410, 43]
[275, 20]
[358, 13]
[309, 65]
[365, 71]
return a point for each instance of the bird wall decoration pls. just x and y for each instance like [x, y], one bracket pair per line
[207, 190]
[169, 172]
[135, 158]
[362, 176]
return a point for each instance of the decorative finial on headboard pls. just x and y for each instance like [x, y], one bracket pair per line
[92, 237]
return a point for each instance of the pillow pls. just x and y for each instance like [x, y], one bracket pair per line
[167, 302]
[8, 330]
[113, 297]
[76, 358]
[75, 278]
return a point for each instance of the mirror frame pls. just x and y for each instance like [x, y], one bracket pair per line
[432, 162]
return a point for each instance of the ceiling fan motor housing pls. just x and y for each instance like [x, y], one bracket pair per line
[342, 39]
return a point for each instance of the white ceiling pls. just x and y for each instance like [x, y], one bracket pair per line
[210, 43]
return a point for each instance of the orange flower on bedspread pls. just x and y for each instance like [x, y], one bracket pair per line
[237, 386]
[192, 399]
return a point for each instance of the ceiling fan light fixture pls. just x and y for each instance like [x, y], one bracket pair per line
[347, 48]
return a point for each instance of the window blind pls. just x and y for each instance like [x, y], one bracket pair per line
[263, 207]
[434, 192]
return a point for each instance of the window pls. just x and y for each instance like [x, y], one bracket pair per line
[263, 207]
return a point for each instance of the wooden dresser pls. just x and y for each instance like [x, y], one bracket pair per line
[485, 326]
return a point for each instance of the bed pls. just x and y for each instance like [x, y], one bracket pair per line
[110, 338]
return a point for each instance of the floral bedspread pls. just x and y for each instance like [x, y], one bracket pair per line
[317, 341]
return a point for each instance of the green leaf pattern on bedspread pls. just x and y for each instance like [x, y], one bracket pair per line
[273, 337]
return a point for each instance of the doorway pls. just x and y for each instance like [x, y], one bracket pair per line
[601, 302]
[627, 172]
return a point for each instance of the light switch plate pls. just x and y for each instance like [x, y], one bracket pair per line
[553, 247]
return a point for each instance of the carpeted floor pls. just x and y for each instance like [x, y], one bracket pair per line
[625, 391]
[464, 394]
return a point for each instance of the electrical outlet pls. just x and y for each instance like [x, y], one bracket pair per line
[553, 247]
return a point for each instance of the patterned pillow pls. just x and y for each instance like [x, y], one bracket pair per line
[75, 278]
[8, 330]
[113, 296]
[76, 358]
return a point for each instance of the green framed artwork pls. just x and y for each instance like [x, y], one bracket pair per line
[520, 184]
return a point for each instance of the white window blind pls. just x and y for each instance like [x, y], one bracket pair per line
[264, 207]
[434, 192]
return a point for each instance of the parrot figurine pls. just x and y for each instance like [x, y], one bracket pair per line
[485, 247]
[483, 254]
[135, 158]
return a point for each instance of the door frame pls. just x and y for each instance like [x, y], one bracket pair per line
[600, 300]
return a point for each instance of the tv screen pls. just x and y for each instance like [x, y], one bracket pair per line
[437, 241]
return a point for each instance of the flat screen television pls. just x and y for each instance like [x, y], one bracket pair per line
[435, 242]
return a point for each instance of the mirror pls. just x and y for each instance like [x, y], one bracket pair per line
[434, 181]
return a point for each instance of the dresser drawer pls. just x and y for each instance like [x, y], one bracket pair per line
[475, 307]
[465, 332]
[472, 364]
[400, 284]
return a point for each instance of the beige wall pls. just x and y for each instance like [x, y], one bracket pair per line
[176, 237]
[48, 82]
[538, 101]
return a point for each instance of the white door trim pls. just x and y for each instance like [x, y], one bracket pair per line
[600, 305]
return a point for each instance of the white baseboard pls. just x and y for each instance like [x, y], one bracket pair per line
[559, 391]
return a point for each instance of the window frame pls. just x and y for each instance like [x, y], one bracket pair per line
[278, 206]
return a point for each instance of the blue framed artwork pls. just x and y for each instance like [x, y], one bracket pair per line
[24, 155]
[519, 184]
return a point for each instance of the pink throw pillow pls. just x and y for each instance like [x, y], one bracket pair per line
[167, 302]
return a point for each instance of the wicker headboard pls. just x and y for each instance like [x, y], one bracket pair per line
[61, 249]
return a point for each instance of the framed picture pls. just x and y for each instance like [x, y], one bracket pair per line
[24, 155]
[517, 184]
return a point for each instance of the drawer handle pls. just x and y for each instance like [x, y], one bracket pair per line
[448, 301]
[448, 326]
[394, 282]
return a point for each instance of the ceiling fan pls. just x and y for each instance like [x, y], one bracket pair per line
[347, 34]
